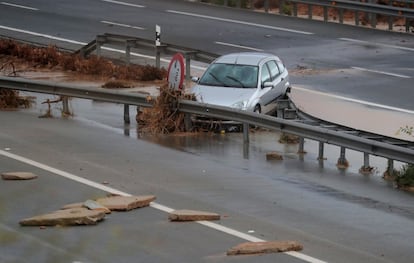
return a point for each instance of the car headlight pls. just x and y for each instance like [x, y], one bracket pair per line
[240, 105]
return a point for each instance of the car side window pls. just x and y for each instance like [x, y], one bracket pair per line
[281, 66]
[274, 70]
[265, 75]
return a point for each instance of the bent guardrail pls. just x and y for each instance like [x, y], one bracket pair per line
[369, 146]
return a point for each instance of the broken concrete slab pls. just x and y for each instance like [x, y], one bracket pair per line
[18, 176]
[93, 205]
[125, 203]
[90, 204]
[274, 156]
[264, 247]
[192, 215]
[73, 205]
[67, 217]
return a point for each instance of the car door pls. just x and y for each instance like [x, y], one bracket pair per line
[273, 78]
[264, 88]
[284, 76]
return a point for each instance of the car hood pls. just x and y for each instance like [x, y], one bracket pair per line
[223, 96]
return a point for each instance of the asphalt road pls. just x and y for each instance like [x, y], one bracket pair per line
[338, 216]
[370, 65]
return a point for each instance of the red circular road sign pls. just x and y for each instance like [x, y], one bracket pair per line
[176, 72]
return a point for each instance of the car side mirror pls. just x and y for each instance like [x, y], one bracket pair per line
[195, 79]
[267, 84]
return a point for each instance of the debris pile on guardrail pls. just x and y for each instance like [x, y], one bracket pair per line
[163, 118]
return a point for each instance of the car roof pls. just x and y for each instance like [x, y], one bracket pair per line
[245, 58]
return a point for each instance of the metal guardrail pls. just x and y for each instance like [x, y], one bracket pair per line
[392, 152]
[83, 92]
[149, 46]
[368, 7]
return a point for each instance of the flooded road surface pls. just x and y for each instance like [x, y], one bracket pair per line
[330, 210]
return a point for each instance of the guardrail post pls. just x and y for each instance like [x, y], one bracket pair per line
[325, 14]
[310, 10]
[187, 67]
[188, 124]
[342, 161]
[281, 6]
[98, 48]
[137, 119]
[372, 17]
[127, 53]
[356, 18]
[301, 149]
[321, 149]
[226, 3]
[295, 9]
[126, 113]
[266, 6]
[65, 105]
[390, 22]
[390, 167]
[245, 133]
[341, 16]
[246, 140]
[366, 169]
[281, 106]
[157, 57]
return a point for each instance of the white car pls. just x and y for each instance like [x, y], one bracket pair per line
[249, 81]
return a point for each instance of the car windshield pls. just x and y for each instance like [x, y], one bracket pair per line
[230, 75]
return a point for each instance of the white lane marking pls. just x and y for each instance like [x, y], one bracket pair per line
[383, 72]
[238, 46]
[84, 43]
[357, 101]
[20, 6]
[155, 205]
[376, 44]
[239, 22]
[42, 35]
[121, 25]
[123, 3]
[62, 173]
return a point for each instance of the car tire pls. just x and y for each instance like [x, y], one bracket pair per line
[257, 109]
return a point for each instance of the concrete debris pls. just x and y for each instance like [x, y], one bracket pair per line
[73, 205]
[274, 156]
[67, 217]
[125, 203]
[90, 204]
[18, 176]
[93, 205]
[264, 247]
[192, 215]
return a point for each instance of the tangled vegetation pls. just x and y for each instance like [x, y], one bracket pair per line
[163, 118]
[14, 54]
[51, 57]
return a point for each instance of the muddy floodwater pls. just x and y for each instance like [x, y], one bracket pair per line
[229, 147]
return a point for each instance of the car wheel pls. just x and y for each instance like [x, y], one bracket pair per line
[257, 109]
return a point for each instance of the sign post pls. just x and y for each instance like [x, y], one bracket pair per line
[157, 35]
[157, 46]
